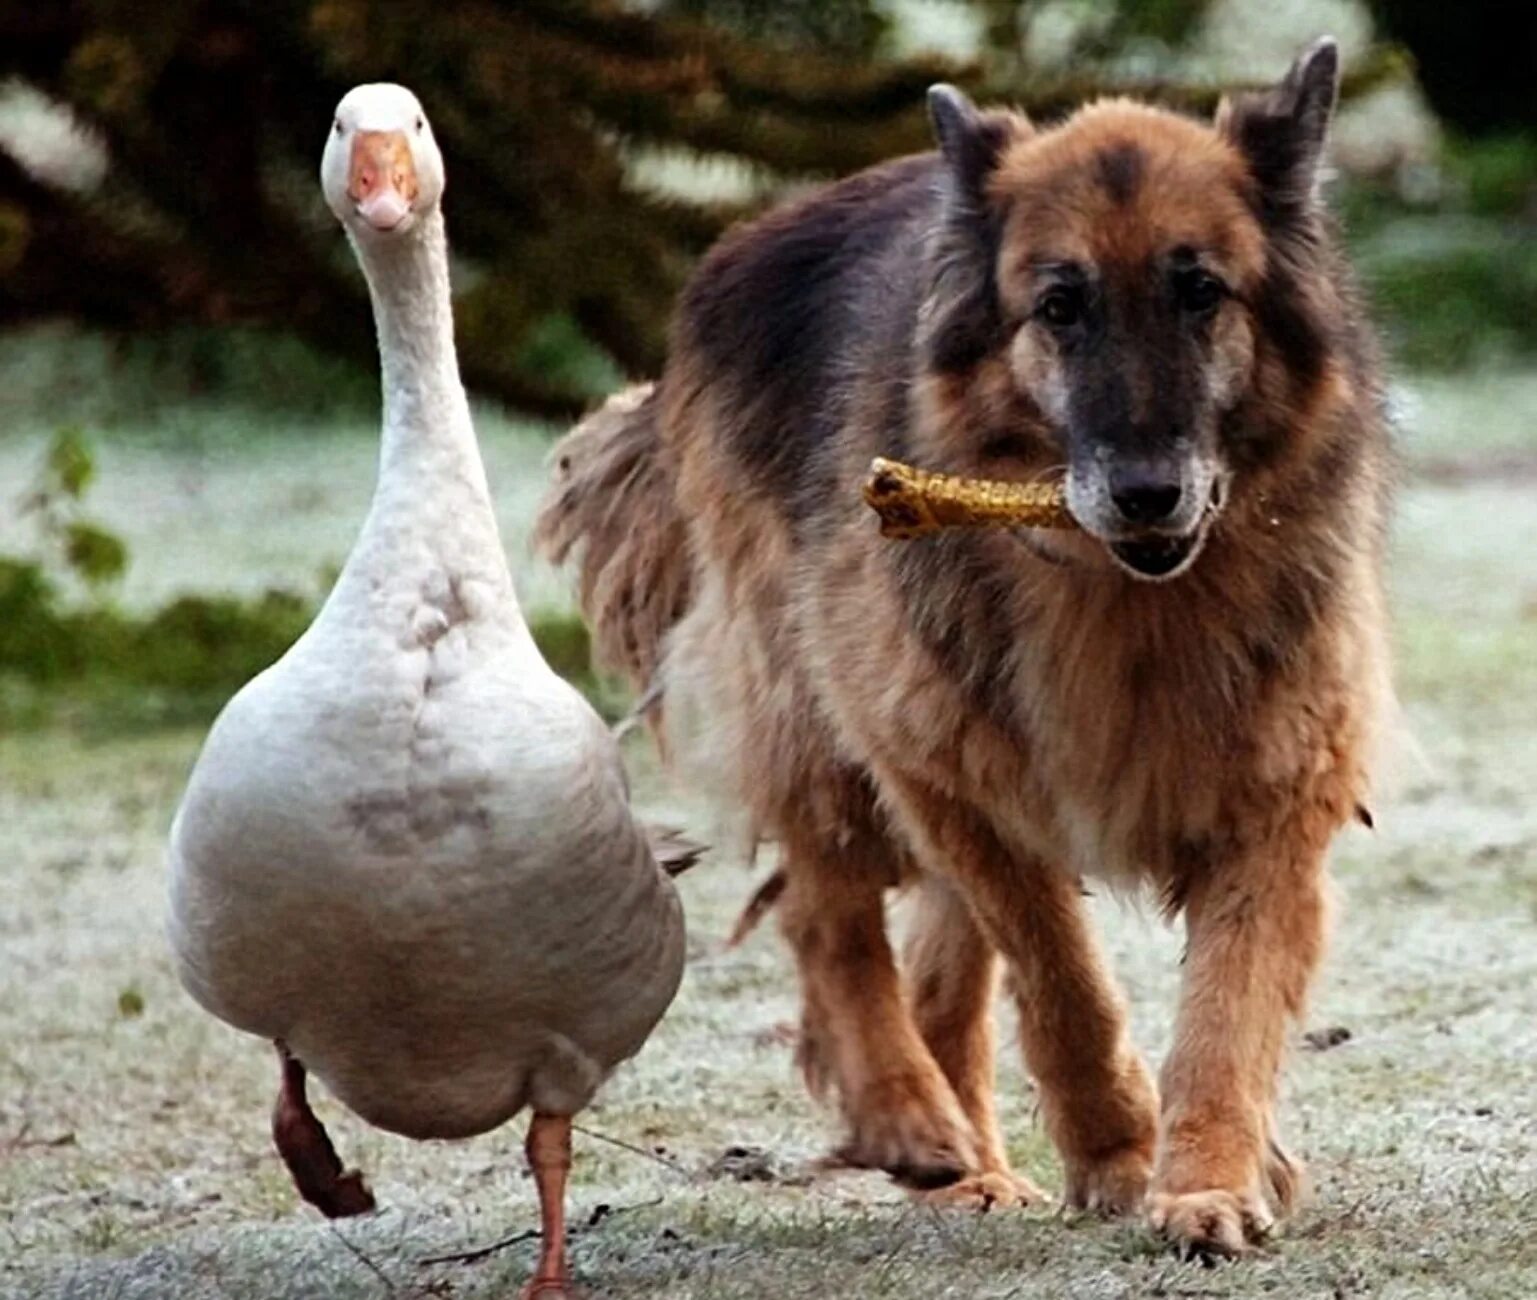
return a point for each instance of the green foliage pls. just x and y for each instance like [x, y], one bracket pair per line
[1446, 304]
[847, 27]
[556, 348]
[566, 645]
[1168, 21]
[92, 378]
[33, 638]
[566, 88]
[542, 108]
[180, 663]
[197, 648]
[1454, 279]
[95, 554]
[70, 466]
[175, 664]
[1498, 175]
[264, 369]
[211, 643]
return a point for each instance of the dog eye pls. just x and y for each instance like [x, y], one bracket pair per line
[1198, 291]
[1061, 307]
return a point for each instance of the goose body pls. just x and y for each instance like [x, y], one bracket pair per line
[406, 852]
[415, 865]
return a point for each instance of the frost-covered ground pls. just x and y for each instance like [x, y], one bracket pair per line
[134, 1159]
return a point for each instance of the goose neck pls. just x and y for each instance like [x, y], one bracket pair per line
[432, 506]
[424, 401]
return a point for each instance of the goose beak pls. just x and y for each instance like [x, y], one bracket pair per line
[382, 179]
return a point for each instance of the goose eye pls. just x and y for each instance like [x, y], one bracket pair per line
[1198, 292]
[337, 126]
[420, 125]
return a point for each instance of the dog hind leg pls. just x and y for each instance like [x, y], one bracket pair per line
[902, 1114]
[952, 976]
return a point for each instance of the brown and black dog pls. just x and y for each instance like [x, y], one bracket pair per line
[1182, 694]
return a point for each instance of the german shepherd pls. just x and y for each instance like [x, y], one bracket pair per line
[1181, 695]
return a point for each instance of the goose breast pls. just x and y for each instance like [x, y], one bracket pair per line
[417, 866]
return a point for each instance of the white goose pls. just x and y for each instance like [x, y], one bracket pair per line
[406, 853]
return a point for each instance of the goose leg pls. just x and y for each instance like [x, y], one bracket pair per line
[548, 1147]
[307, 1151]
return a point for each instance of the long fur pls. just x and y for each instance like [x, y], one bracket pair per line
[992, 718]
[611, 509]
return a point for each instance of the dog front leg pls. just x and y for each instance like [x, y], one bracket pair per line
[1255, 936]
[1097, 1097]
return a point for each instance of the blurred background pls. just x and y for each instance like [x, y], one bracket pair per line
[188, 435]
[187, 375]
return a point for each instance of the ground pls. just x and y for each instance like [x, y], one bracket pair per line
[134, 1159]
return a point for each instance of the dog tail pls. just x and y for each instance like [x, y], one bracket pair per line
[763, 901]
[612, 508]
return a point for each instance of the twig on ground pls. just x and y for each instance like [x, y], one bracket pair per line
[474, 1255]
[667, 1162]
[940, 1225]
[478, 1253]
[22, 1140]
[890, 1257]
[19, 1138]
[362, 1257]
[603, 1211]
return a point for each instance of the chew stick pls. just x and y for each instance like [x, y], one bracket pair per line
[914, 502]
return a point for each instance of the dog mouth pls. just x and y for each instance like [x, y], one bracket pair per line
[1157, 557]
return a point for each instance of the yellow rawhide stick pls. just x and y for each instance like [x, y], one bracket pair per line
[914, 502]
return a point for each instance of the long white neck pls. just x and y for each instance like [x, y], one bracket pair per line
[432, 492]
[426, 413]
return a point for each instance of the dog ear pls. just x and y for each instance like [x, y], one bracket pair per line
[970, 141]
[961, 319]
[1281, 131]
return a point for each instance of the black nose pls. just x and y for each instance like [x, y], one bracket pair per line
[1144, 495]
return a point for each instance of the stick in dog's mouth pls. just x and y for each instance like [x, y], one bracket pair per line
[915, 503]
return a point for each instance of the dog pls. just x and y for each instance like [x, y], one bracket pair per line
[1181, 696]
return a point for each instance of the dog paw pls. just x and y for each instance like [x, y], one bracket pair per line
[1112, 1184]
[916, 1134]
[1210, 1223]
[981, 1192]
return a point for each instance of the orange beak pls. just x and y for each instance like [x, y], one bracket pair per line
[382, 179]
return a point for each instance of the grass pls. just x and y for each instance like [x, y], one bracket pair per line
[194, 481]
[134, 1159]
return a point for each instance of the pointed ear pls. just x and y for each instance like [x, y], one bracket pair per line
[1282, 131]
[961, 320]
[970, 141]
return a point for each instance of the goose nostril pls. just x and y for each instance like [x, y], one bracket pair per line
[1146, 503]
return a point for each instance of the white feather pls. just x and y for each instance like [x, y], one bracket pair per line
[406, 849]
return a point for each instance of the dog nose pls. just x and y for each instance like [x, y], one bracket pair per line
[1143, 494]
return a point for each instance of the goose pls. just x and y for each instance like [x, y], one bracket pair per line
[406, 854]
